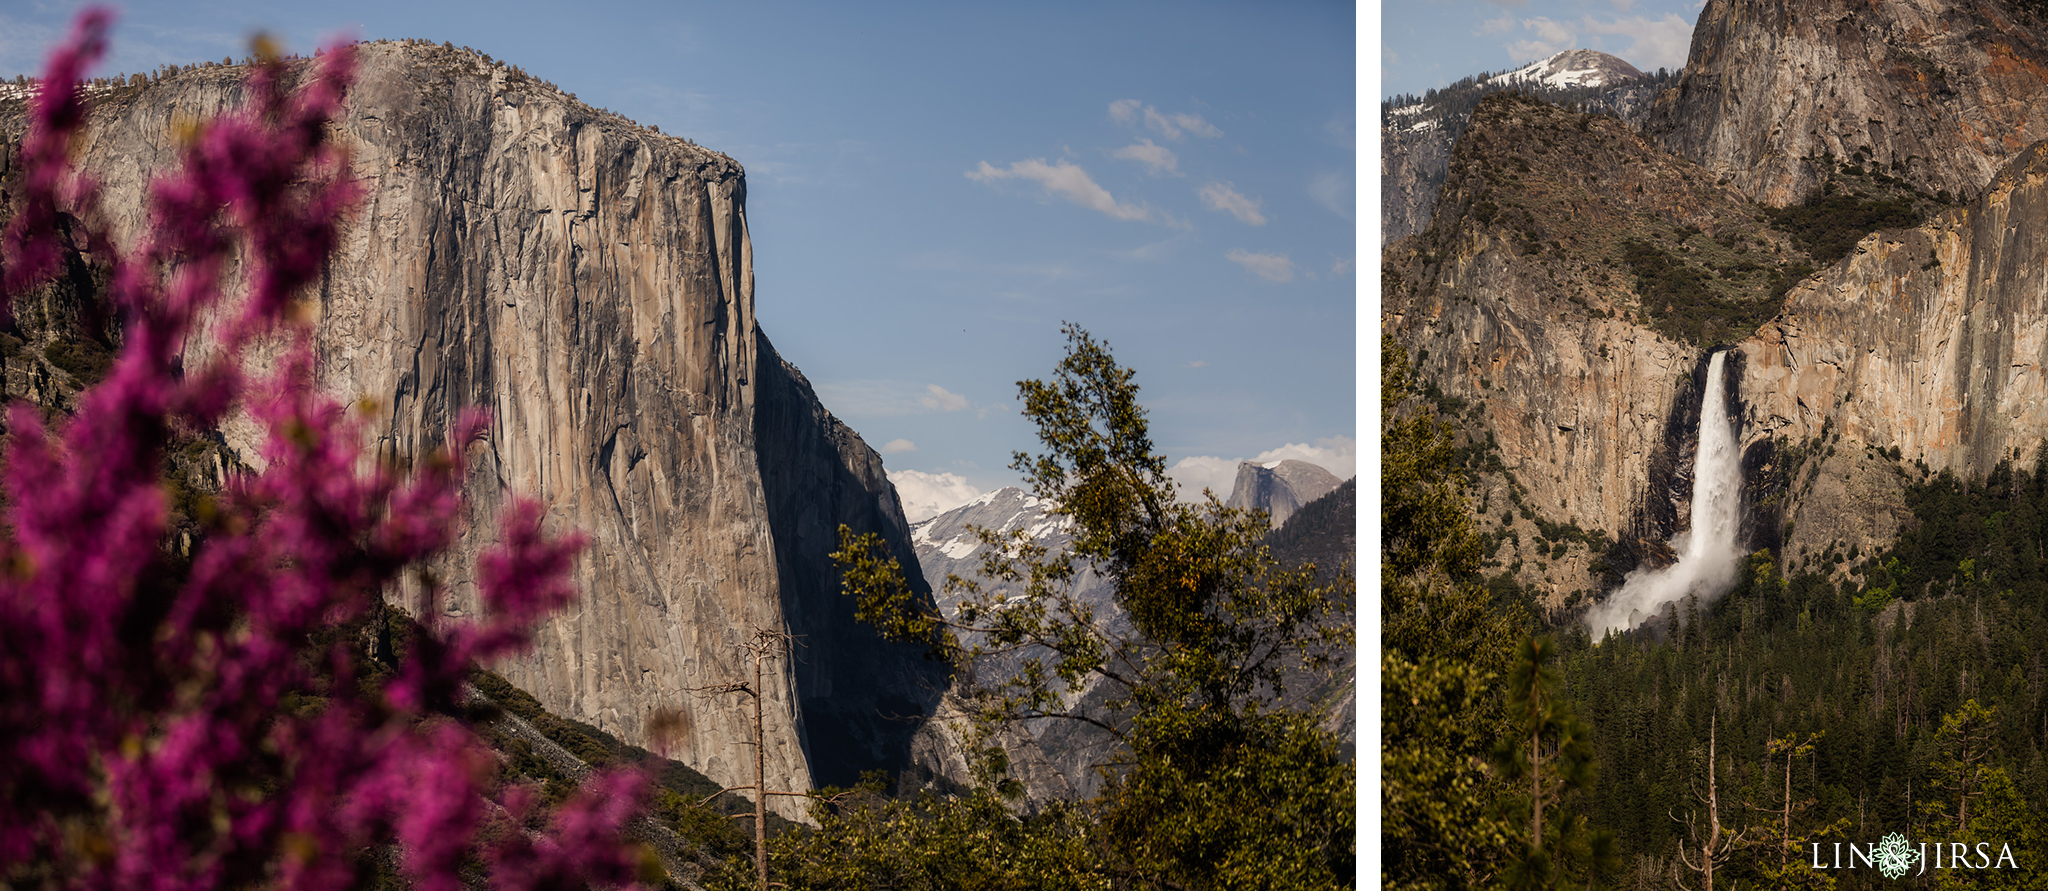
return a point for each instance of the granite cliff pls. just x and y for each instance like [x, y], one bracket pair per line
[1928, 344]
[590, 282]
[1940, 93]
[1280, 488]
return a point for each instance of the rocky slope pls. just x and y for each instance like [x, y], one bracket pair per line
[1280, 488]
[1940, 93]
[590, 282]
[1416, 133]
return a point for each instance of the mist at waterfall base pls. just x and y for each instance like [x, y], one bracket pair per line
[1707, 551]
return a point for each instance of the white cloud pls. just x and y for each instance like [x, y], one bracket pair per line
[1657, 43]
[1156, 158]
[898, 447]
[1271, 267]
[1336, 454]
[1224, 197]
[927, 495]
[1501, 25]
[937, 398]
[1172, 126]
[1341, 267]
[1551, 38]
[1200, 472]
[1148, 252]
[1340, 131]
[1199, 363]
[1066, 180]
[1194, 124]
[1333, 190]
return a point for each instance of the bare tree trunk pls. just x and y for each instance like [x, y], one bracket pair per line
[1536, 785]
[1785, 837]
[1713, 812]
[766, 642]
[760, 780]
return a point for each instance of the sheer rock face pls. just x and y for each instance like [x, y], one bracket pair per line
[590, 283]
[1940, 93]
[1281, 489]
[859, 697]
[1932, 340]
[1413, 157]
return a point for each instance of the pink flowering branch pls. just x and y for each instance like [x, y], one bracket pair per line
[144, 739]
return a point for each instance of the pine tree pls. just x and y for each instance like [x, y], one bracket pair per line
[1444, 652]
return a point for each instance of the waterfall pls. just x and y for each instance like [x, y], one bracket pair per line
[1707, 553]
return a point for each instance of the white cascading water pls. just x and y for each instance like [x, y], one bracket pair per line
[1707, 554]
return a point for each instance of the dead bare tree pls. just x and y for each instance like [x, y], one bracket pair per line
[1713, 850]
[765, 644]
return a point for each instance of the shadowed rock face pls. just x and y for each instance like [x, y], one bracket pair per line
[862, 699]
[591, 284]
[1941, 93]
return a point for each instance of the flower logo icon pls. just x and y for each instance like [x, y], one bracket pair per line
[1894, 855]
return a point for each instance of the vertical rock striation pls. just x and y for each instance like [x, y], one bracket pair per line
[1931, 340]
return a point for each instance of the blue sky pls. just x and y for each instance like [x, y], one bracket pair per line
[1434, 42]
[933, 188]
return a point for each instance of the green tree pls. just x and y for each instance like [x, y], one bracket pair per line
[2003, 823]
[865, 840]
[1444, 652]
[1963, 743]
[1790, 870]
[1549, 756]
[1218, 783]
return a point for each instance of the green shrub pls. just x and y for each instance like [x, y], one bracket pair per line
[1828, 225]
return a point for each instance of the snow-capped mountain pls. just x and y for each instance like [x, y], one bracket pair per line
[946, 544]
[1573, 68]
